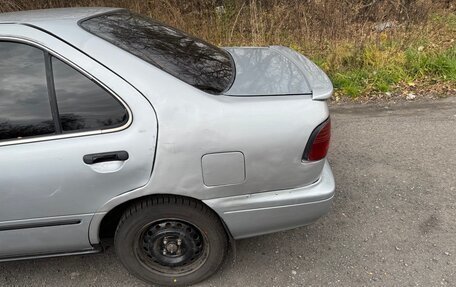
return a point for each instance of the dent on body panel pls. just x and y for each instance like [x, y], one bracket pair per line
[270, 131]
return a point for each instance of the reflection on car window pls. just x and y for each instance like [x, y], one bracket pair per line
[193, 61]
[25, 110]
[82, 104]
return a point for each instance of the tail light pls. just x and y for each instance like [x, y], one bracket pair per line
[318, 144]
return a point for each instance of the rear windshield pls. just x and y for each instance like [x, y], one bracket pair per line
[189, 59]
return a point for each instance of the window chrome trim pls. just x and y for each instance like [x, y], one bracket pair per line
[58, 56]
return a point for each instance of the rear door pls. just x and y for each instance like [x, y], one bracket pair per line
[72, 136]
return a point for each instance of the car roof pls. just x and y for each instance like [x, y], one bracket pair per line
[49, 16]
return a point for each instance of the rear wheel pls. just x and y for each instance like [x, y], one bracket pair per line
[171, 241]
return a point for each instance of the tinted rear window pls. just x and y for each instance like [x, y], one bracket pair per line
[189, 59]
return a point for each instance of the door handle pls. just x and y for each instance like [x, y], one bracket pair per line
[105, 156]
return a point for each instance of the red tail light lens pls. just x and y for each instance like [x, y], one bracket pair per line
[318, 144]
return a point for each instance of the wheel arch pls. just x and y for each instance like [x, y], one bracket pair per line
[103, 225]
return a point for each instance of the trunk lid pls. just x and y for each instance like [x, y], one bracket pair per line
[277, 70]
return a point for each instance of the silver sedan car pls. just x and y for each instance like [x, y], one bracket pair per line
[115, 125]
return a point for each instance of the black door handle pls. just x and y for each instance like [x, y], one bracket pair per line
[105, 156]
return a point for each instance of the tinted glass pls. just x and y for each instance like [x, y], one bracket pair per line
[187, 58]
[82, 104]
[25, 109]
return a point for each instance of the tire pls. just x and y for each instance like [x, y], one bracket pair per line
[171, 241]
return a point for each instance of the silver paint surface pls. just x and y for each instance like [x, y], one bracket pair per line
[264, 71]
[277, 70]
[223, 168]
[37, 241]
[255, 214]
[174, 125]
[58, 182]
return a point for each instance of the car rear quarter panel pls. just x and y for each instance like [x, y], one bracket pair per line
[271, 132]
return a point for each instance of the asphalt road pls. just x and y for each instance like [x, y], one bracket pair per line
[393, 222]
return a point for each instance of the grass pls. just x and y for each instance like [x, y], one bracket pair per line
[388, 62]
[377, 69]
[440, 65]
[342, 37]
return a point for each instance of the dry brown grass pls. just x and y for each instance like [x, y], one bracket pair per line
[343, 36]
[265, 21]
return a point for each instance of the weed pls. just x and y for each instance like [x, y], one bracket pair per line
[364, 46]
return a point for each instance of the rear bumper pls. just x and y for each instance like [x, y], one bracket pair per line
[266, 212]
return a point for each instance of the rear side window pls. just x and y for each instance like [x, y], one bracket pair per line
[41, 95]
[187, 58]
[24, 101]
[84, 105]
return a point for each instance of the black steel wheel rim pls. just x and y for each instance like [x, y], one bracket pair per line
[172, 246]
